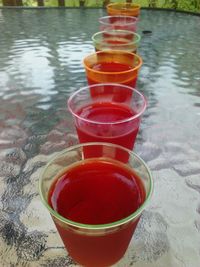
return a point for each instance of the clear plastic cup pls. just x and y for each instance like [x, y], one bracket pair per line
[118, 22]
[95, 244]
[107, 113]
[116, 40]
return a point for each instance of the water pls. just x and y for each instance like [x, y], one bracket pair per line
[41, 52]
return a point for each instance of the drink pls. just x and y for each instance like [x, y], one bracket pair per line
[97, 191]
[116, 44]
[116, 40]
[125, 9]
[112, 66]
[106, 114]
[118, 22]
[95, 202]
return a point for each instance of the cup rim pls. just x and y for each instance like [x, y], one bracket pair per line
[127, 219]
[112, 52]
[138, 37]
[117, 16]
[107, 123]
[131, 6]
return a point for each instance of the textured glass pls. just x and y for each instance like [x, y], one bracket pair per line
[41, 54]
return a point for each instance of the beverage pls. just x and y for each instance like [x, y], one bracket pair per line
[116, 44]
[118, 22]
[112, 66]
[106, 113]
[116, 40]
[125, 9]
[97, 191]
[95, 202]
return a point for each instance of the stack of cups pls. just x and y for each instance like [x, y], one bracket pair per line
[97, 190]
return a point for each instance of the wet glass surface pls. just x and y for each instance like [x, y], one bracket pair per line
[41, 54]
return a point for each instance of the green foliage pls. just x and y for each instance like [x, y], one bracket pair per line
[187, 5]
[68, 3]
[190, 5]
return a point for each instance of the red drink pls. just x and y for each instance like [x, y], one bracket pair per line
[116, 40]
[97, 191]
[116, 44]
[122, 44]
[105, 114]
[95, 202]
[113, 67]
[123, 36]
[121, 23]
[118, 22]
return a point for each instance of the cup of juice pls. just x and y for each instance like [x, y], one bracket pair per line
[116, 40]
[118, 22]
[95, 202]
[112, 66]
[107, 113]
[126, 9]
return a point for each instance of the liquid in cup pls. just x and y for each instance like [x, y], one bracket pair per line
[127, 9]
[118, 22]
[116, 40]
[112, 66]
[95, 202]
[107, 113]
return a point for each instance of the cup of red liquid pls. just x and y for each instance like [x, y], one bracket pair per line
[118, 22]
[107, 113]
[95, 202]
[127, 9]
[112, 66]
[116, 40]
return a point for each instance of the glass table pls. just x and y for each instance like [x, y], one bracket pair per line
[41, 52]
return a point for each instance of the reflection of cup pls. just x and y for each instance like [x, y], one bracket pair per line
[107, 113]
[95, 195]
[113, 66]
[126, 9]
[120, 22]
[116, 40]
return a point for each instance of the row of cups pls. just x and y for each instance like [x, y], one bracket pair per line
[115, 61]
[107, 115]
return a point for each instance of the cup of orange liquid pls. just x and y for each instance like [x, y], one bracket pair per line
[112, 66]
[127, 9]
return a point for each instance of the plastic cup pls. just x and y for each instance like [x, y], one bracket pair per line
[119, 22]
[107, 113]
[95, 244]
[127, 9]
[116, 40]
[112, 66]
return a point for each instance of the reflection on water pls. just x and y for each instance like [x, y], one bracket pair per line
[170, 76]
[42, 55]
